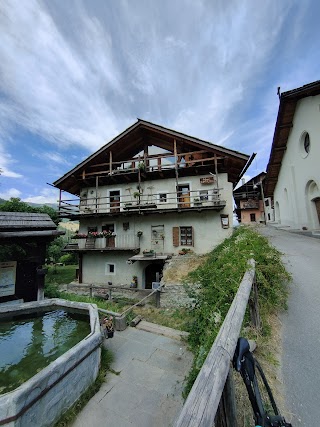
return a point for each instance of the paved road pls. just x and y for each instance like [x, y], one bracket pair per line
[301, 325]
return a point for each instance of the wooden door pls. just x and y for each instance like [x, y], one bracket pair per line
[184, 196]
[115, 201]
[110, 241]
[153, 273]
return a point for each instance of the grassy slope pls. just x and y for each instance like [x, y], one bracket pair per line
[217, 281]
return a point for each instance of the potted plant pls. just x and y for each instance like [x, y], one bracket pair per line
[148, 252]
[134, 283]
[141, 166]
[137, 196]
[197, 201]
[184, 251]
[107, 327]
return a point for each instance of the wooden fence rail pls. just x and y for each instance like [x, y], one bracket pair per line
[214, 384]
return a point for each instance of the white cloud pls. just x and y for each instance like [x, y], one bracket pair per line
[45, 195]
[53, 157]
[54, 89]
[5, 164]
[11, 192]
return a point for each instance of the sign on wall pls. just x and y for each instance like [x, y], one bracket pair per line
[207, 180]
[8, 278]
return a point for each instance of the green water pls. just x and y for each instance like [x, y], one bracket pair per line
[28, 344]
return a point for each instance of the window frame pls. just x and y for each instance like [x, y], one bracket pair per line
[107, 269]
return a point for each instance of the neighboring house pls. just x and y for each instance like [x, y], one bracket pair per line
[150, 189]
[293, 173]
[23, 240]
[251, 206]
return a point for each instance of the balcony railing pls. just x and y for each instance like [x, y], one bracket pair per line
[118, 242]
[142, 202]
[252, 204]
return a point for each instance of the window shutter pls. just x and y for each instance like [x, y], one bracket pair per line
[175, 236]
[192, 230]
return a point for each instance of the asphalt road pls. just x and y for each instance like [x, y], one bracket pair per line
[301, 326]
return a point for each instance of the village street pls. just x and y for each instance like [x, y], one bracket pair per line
[301, 325]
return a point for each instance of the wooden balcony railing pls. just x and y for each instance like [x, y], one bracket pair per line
[118, 242]
[250, 204]
[142, 201]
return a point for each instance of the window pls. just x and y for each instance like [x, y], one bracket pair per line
[108, 227]
[305, 144]
[253, 217]
[183, 236]
[204, 195]
[163, 198]
[110, 269]
[92, 229]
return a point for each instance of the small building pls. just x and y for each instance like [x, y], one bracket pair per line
[251, 206]
[23, 240]
[149, 194]
[293, 173]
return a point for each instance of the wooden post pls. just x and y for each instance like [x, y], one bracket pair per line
[110, 163]
[216, 170]
[227, 410]
[157, 294]
[176, 165]
[91, 293]
[110, 294]
[97, 185]
[80, 267]
[254, 306]
[60, 194]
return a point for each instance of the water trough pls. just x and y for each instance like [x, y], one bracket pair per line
[42, 399]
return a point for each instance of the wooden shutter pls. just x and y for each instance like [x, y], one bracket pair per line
[192, 229]
[175, 236]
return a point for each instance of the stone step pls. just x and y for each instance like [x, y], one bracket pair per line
[161, 330]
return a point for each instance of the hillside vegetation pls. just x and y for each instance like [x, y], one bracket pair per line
[214, 284]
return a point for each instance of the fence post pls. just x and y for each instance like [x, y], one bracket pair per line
[227, 410]
[157, 294]
[91, 293]
[254, 305]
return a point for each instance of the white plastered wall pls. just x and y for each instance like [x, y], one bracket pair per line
[299, 177]
[208, 233]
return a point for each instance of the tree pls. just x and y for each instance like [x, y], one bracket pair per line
[15, 252]
[16, 205]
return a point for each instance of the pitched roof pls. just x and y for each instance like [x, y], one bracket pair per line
[26, 224]
[284, 123]
[133, 140]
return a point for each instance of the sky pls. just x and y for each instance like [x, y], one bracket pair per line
[74, 74]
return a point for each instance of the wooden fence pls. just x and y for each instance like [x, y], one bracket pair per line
[211, 400]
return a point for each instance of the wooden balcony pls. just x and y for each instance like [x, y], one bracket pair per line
[120, 242]
[139, 203]
[250, 204]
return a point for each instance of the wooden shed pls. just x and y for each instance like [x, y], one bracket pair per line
[23, 240]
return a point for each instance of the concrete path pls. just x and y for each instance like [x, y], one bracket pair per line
[301, 325]
[146, 389]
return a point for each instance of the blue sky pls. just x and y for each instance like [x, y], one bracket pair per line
[75, 74]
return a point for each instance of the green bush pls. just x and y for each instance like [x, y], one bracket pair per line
[214, 284]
